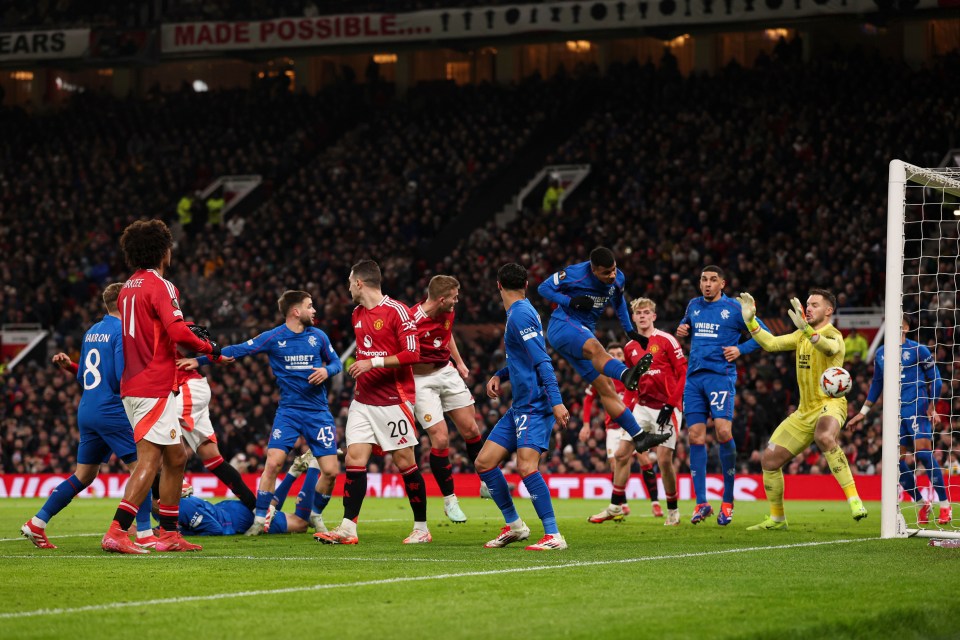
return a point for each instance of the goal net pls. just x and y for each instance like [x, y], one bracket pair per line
[923, 249]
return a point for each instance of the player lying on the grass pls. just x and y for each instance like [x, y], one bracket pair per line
[231, 517]
[526, 427]
[104, 427]
[920, 388]
[818, 418]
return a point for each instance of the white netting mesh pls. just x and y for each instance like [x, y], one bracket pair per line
[931, 252]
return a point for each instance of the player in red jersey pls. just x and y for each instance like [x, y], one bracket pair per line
[152, 324]
[441, 388]
[621, 457]
[381, 413]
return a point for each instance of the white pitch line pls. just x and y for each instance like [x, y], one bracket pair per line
[442, 576]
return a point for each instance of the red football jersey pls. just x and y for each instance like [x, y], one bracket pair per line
[149, 305]
[184, 375]
[386, 330]
[629, 399]
[434, 335]
[663, 382]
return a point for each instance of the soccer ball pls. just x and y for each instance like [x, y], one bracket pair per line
[836, 382]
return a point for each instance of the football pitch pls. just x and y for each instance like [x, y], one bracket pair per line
[826, 577]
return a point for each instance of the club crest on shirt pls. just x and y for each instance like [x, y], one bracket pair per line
[312, 340]
[613, 289]
[377, 324]
[446, 325]
[173, 434]
[428, 418]
[724, 314]
[654, 348]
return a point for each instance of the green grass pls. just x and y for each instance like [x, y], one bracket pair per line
[636, 579]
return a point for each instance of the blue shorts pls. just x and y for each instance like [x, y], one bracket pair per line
[523, 430]
[567, 338]
[708, 394]
[317, 428]
[99, 442]
[915, 428]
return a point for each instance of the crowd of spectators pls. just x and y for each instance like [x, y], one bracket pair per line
[774, 173]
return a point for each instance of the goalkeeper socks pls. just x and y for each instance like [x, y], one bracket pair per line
[909, 482]
[619, 495]
[442, 470]
[285, 485]
[728, 464]
[416, 492]
[840, 468]
[698, 470]
[60, 498]
[540, 495]
[650, 482]
[143, 514]
[500, 492]
[307, 492]
[473, 448]
[263, 503]
[320, 502]
[627, 421]
[925, 457]
[232, 479]
[614, 369]
[773, 485]
[354, 490]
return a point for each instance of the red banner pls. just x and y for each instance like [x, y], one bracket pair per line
[590, 486]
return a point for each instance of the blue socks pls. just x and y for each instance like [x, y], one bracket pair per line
[698, 469]
[307, 492]
[320, 501]
[627, 421]
[143, 513]
[284, 489]
[263, 503]
[909, 482]
[540, 495]
[728, 463]
[500, 492]
[61, 497]
[614, 369]
[926, 458]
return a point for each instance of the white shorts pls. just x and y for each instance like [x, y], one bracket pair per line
[647, 419]
[438, 392]
[154, 419]
[391, 427]
[614, 438]
[193, 407]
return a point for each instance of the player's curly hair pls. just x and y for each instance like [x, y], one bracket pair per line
[512, 277]
[145, 243]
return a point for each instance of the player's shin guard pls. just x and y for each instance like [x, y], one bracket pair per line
[540, 496]
[143, 513]
[909, 481]
[232, 479]
[473, 448]
[650, 482]
[728, 464]
[442, 470]
[925, 457]
[168, 516]
[354, 490]
[416, 492]
[773, 485]
[61, 497]
[307, 492]
[500, 492]
[840, 468]
[628, 422]
[698, 469]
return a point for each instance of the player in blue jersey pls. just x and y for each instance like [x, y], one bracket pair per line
[230, 517]
[581, 293]
[528, 424]
[302, 360]
[920, 388]
[715, 325]
[104, 427]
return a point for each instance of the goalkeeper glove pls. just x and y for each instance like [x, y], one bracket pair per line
[581, 303]
[200, 331]
[664, 416]
[799, 318]
[642, 340]
[215, 353]
[748, 309]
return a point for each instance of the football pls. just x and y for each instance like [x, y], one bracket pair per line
[835, 382]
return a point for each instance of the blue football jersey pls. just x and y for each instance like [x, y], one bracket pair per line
[293, 357]
[99, 372]
[713, 326]
[201, 518]
[579, 280]
[919, 371]
[529, 368]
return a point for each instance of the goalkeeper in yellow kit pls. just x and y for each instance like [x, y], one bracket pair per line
[819, 418]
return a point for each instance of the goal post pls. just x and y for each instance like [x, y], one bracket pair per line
[934, 193]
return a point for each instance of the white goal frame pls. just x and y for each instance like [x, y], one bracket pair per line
[892, 523]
